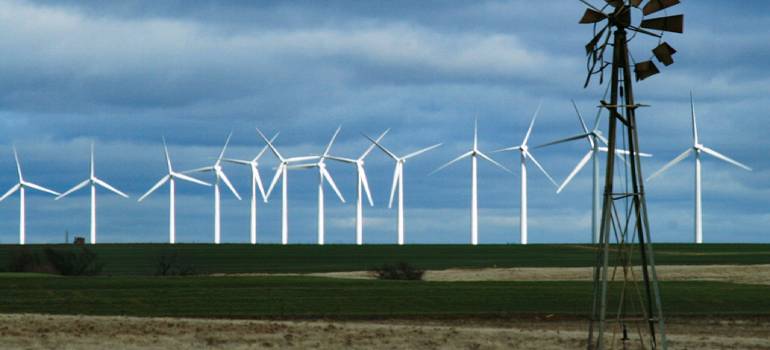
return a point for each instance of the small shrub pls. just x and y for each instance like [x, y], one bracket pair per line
[24, 259]
[74, 262]
[400, 271]
[169, 264]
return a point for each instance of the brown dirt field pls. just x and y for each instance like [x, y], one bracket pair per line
[116, 332]
[748, 274]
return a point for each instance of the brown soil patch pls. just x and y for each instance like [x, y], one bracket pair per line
[115, 332]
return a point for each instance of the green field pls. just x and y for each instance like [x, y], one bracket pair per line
[142, 259]
[300, 297]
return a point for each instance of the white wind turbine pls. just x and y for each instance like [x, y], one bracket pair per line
[171, 177]
[93, 181]
[323, 174]
[21, 186]
[256, 182]
[525, 154]
[220, 176]
[473, 153]
[281, 173]
[594, 138]
[697, 148]
[398, 182]
[362, 185]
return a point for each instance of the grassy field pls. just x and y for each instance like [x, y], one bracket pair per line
[142, 259]
[300, 297]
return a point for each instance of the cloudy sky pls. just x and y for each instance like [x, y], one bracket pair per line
[124, 74]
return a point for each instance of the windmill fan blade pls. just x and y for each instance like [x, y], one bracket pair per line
[41, 188]
[645, 70]
[190, 179]
[576, 170]
[725, 158]
[673, 162]
[396, 175]
[663, 53]
[73, 189]
[635, 3]
[229, 185]
[657, 5]
[276, 177]
[257, 179]
[110, 188]
[154, 187]
[614, 3]
[328, 177]
[10, 192]
[592, 44]
[365, 182]
[592, 16]
[669, 24]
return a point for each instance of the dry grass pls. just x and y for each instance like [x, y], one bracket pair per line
[112, 332]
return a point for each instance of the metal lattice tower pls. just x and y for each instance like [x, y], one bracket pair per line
[626, 309]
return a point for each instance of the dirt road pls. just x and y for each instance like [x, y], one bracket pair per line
[109, 332]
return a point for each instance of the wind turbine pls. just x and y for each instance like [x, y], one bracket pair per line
[171, 177]
[398, 182]
[697, 148]
[323, 174]
[525, 154]
[595, 138]
[93, 181]
[281, 173]
[256, 182]
[216, 168]
[21, 186]
[473, 153]
[362, 185]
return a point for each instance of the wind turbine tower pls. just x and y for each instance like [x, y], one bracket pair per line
[473, 154]
[93, 181]
[398, 182]
[171, 177]
[697, 148]
[362, 185]
[21, 187]
[524, 155]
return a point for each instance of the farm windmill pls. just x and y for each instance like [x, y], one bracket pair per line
[624, 210]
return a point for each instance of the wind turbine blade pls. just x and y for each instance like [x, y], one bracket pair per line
[365, 182]
[199, 170]
[417, 153]
[343, 159]
[236, 161]
[168, 158]
[18, 163]
[725, 158]
[476, 133]
[40, 188]
[154, 187]
[224, 148]
[530, 156]
[371, 147]
[221, 175]
[673, 162]
[109, 187]
[258, 180]
[694, 122]
[576, 170]
[270, 144]
[532, 123]
[190, 179]
[331, 142]
[396, 175]
[580, 117]
[10, 192]
[73, 189]
[489, 159]
[302, 166]
[377, 143]
[264, 149]
[277, 176]
[328, 177]
[566, 139]
[507, 149]
[625, 152]
[466, 154]
[92, 159]
[302, 159]
[602, 138]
